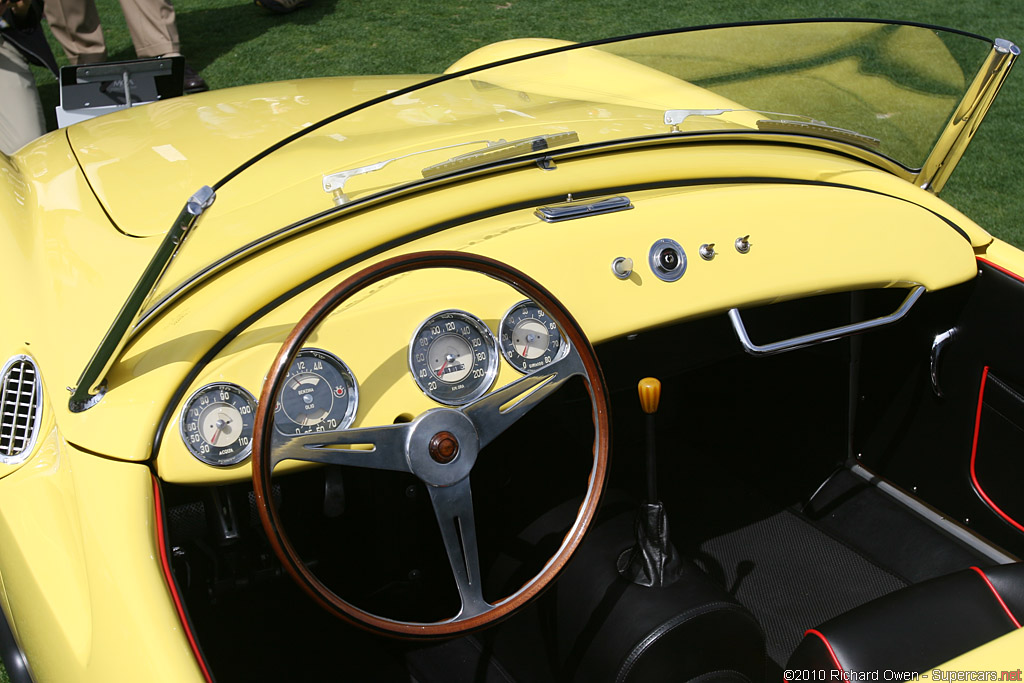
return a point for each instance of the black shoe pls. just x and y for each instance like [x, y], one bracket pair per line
[193, 81]
[282, 6]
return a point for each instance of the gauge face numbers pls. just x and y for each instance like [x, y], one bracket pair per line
[453, 357]
[529, 337]
[319, 395]
[216, 424]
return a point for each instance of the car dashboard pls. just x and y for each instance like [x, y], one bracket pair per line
[443, 337]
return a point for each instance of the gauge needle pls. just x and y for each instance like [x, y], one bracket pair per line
[221, 424]
[529, 338]
[447, 359]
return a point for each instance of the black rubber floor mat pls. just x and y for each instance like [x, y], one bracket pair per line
[792, 576]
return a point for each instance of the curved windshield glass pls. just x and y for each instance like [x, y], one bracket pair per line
[887, 88]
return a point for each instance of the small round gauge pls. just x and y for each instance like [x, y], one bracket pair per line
[453, 357]
[216, 424]
[319, 394]
[529, 338]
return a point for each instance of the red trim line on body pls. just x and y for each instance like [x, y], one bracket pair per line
[974, 459]
[1001, 269]
[161, 542]
[998, 597]
[831, 652]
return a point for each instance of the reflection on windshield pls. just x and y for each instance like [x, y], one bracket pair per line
[899, 84]
[887, 87]
[890, 83]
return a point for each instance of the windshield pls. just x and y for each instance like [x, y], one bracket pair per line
[894, 83]
[887, 88]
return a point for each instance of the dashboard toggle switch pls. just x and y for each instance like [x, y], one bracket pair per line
[707, 251]
[743, 244]
[622, 267]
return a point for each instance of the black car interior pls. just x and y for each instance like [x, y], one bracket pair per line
[826, 507]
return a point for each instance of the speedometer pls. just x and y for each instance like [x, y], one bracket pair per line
[319, 395]
[216, 424]
[453, 357]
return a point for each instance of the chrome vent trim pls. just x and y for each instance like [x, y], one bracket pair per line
[21, 406]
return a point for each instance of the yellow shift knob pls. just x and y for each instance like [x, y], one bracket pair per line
[650, 393]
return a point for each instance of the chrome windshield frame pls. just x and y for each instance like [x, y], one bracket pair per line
[952, 144]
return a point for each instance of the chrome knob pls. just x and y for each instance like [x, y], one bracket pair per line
[622, 267]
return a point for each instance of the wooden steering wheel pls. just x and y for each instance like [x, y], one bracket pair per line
[439, 447]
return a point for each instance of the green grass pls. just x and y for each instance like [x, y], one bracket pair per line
[233, 42]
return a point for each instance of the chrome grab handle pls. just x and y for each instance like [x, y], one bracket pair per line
[823, 336]
[938, 344]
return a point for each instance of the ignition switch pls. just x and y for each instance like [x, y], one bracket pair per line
[667, 260]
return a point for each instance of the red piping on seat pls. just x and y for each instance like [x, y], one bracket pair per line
[974, 458]
[161, 543]
[998, 597]
[831, 652]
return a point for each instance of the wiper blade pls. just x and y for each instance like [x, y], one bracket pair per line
[494, 150]
[675, 117]
[499, 151]
[335, 182]
[819, 129]
[788, 123]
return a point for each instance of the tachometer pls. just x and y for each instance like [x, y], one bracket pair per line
[529, 338]
[320, 394]
[216, 424]
[453, 357]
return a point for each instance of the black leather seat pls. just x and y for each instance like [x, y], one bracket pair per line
[918, 627]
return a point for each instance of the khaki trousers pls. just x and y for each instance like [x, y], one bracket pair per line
[21, 114]
[76, 26]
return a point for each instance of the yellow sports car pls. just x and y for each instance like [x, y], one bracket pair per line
[648, 359]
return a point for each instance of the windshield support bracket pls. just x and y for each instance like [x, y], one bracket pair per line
[960, 129]
[89, 389]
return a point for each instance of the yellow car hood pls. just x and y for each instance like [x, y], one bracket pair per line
[144, 162]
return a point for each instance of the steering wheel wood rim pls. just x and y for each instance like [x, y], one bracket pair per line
[263, 459]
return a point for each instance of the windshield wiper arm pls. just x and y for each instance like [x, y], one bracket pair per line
[787, 124]
[494, 150]
[501, 150]
[335, 182]
[675, 117]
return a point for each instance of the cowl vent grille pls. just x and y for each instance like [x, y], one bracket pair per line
[20, 402]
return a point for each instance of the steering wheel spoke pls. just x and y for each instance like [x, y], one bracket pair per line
[497, 411]
[453, 506]
[380, 448]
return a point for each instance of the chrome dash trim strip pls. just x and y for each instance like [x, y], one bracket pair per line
[567, 211]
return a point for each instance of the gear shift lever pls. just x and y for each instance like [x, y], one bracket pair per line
[650, 395]
[652, 561]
